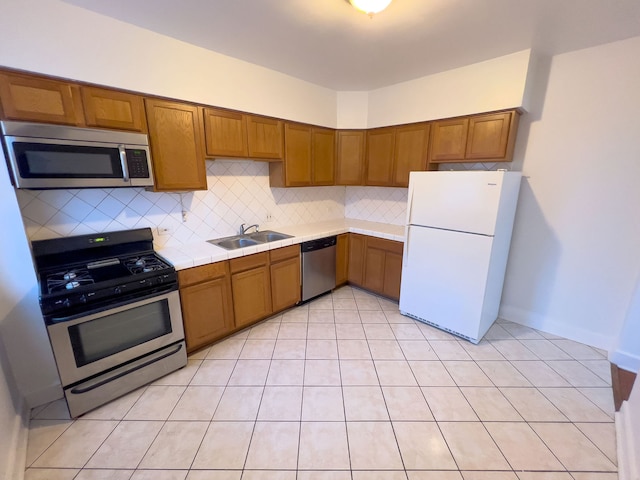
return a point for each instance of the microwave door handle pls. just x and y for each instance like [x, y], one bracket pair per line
[123, 162]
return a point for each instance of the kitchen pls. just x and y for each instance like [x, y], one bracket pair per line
[584, 279]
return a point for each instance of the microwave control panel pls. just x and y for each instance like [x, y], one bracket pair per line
[137, 163]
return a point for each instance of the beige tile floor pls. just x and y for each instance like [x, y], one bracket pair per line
[347, 388]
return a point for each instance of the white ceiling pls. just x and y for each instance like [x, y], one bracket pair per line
[329, 43]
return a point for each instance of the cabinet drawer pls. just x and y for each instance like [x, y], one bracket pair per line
[191, 276]
[384, 244]
[283, 253]
[251, 261]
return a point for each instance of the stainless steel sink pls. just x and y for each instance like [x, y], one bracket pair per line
[247, 240]
[268, 236]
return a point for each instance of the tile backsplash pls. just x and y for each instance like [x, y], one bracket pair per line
[238, 193]
[377, 204]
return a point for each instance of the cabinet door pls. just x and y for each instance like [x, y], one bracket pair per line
[285, 283]
[110, 109]
[297, 155]
[392, 275]
[38, 100]
[264, 137]
[350, 157]
[357, 244]
[379, 163]
[410, 153]
[323, 153]
[251, 295]
[374, 269]
[175, 134]
[225, 133]
[206, 312]
[488, 136]
[342, 258]
[449, 140]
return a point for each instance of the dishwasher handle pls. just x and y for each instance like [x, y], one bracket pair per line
[318, 244]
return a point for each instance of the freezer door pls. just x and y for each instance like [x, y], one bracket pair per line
[461, 201]
[444, 277]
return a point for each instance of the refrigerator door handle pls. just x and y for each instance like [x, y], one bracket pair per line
[405, 252]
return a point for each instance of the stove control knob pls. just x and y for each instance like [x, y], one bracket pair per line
[66, 303]
[160, 279]
[117, 290]
[83, 299]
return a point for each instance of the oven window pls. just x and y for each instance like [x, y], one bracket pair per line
[36, 160]
[114, 333]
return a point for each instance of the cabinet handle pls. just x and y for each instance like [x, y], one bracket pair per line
[123, 162]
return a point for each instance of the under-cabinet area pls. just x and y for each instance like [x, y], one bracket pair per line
[223, 297]
[183, 135]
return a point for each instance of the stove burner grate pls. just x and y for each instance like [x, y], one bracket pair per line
[144, 264]
[68, 280]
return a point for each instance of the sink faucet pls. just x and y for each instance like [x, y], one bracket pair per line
[243, 230]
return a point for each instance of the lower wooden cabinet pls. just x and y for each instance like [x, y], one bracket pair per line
[375, 264]
[285, 277]
[205, 297]
[342, 259]
[251, 286]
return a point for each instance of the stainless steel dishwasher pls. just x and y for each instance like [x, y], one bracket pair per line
[318, 267]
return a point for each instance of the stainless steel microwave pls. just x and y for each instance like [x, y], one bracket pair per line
[43, 156]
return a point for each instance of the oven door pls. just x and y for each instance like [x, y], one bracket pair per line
[94, 343]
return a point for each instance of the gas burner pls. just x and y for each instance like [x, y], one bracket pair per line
[68, 280]
[144, 264]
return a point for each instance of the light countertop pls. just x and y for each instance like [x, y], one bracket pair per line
[201, 253]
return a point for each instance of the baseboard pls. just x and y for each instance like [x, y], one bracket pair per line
[19, 435]
[628, 459]
[546, 324]
[44, 395]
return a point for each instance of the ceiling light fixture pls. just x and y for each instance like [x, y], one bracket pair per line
[370, 7]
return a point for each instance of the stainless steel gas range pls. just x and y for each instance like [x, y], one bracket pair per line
[112, 311]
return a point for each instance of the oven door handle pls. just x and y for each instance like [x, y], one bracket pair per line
[158, 294]
[98, 382]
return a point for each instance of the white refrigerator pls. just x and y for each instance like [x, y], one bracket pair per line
[457, 241]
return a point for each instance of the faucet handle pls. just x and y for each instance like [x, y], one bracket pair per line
[242, 228]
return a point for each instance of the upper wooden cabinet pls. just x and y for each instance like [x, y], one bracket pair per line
[323, 154]
[225, 133]
[486, 137]
[309, 157]
[112, 109]
[350, 157]
[380, 150]
[410, 152]
[35, 99]
[449, 140]
[297, 155]
[492, 137]
[393, 152]
[265, 137]
[231, 134]
[175, 135]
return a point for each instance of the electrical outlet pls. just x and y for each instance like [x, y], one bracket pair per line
[163, 231]
[269, 218]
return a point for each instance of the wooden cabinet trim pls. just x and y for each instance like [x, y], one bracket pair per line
[265, 137]
[241, 264]
[350, 157]
[279, 254]
[191, 276]
[225, 133]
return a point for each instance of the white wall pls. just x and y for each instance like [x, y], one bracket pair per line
[495, 84]
[56, 38]
[26, 363]
[574, 258]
